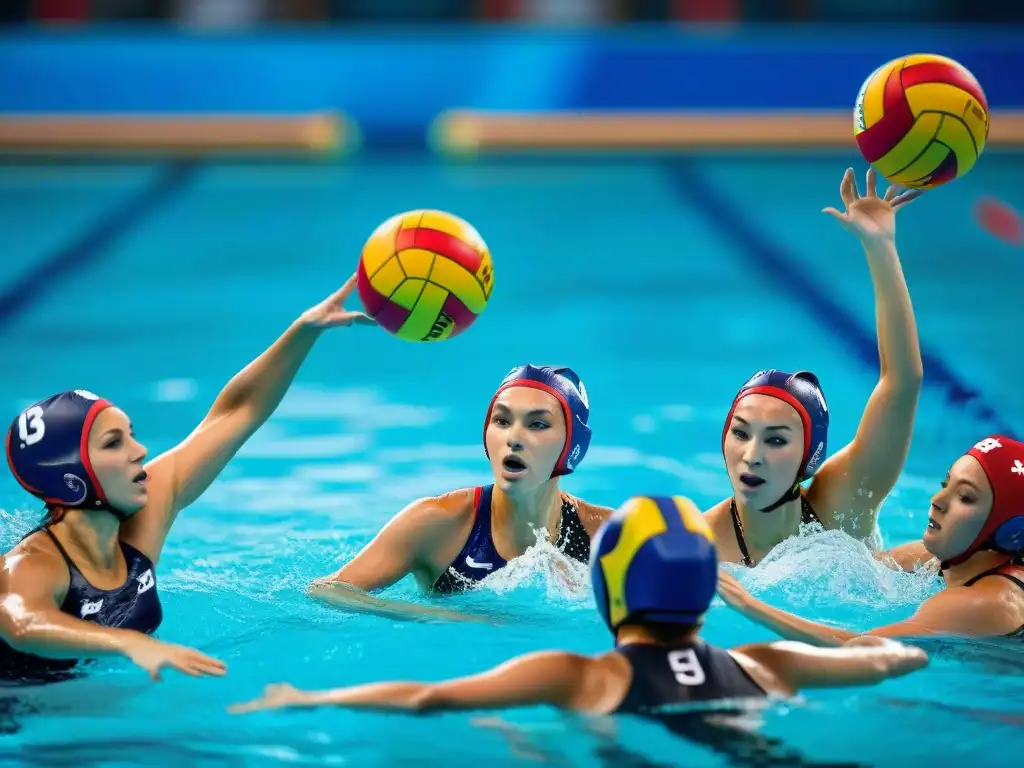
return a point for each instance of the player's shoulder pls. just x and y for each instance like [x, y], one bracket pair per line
[35, 558]
[450, 508]
[593, 516]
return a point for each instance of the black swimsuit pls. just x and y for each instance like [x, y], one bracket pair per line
[694, 672]
[807, 516]
[479, 558]
[1015, 564]
[699, 674]
[133, 605]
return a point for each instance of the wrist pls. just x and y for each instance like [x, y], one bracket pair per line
[127, 641]
[309, 698]
[747, 606]
[879, 247]
[308, 323]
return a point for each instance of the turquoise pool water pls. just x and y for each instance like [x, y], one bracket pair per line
[665, 283]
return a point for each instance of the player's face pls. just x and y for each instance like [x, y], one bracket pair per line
[116, 458]
[959, 510]
[764, 448]
[525, 437]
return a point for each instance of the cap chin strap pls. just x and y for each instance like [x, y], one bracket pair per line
[791, 495]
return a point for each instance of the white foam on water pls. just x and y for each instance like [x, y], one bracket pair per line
[833, 568]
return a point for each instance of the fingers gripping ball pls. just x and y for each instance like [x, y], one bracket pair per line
[425, 275]
[921, 120]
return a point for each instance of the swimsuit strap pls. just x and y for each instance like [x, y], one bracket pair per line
[807, 516]
[738, 527]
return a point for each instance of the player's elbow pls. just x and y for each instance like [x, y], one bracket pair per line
[17, 630]
[915, 373]
[325, 585]
[910, 372]
[319, 584]
[426, 698]
[904, 381]
[337, 587]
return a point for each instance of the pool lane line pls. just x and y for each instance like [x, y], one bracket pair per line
[763, 255]
[89, 246]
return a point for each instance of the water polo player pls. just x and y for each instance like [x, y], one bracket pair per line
[535, 431]
[775, 434]
[975, 535]
[653, 571]
[84, 583]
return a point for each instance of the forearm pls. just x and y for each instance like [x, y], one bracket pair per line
[401, 696]
[262, 384]
[898, 346]
[348, 597]
[791, 627]
[65, 637]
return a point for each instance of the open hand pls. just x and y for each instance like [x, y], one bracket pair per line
[731, 591]
[331, 312]
[871, 218]
[153, 655]
[275, 696]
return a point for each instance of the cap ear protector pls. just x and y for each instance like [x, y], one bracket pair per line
[568, 390]
[802, 391]
[1002, 460]
[48, 450]
[654, 560]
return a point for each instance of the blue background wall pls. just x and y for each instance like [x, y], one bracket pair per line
[393, 83]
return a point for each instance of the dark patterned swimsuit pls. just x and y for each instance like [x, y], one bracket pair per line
[479, 558]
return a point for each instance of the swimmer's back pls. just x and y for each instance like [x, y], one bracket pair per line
[693, 672]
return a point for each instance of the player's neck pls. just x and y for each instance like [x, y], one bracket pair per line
[637, 634]
[976, 564]
[522, 514]
[90, 536]
[763, 531]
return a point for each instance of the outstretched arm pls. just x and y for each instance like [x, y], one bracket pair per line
[956, 612]
[851, 486]
[181, 475]
[31, 622]
[349, 598]
[400, 548]
[548, 677]
[860, 661]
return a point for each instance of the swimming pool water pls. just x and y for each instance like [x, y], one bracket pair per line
[664, 283]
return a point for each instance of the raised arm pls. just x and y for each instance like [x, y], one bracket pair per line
[32, 622]
[851, 486]
[860, 661]
[180, 476]
[548, 677]
[402, 547]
